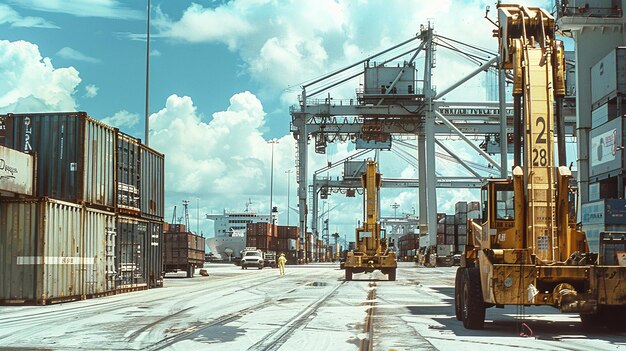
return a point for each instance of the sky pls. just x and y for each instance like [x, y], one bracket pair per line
[223, 75]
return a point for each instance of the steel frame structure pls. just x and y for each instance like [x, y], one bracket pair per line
[425, 115]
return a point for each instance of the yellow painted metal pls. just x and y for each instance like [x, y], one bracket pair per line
[528, 249]
[371, 251]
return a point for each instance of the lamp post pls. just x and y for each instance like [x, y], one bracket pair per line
[272, 142]
[395, 208]
[289, 171]
[197, 216]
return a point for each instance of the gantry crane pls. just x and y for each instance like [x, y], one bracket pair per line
[372, 250]
[528, 251]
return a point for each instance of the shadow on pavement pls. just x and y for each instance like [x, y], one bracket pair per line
[545, 323]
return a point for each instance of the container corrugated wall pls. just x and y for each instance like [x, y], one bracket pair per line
[76, 155]
[152, 187]
[42, 255]
[128, 173]
[130, 253]
[154, 249]
[99, 239]
[99, 185]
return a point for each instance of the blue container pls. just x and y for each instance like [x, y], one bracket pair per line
[605, 211]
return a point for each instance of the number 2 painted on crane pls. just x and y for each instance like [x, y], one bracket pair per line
[540, 156]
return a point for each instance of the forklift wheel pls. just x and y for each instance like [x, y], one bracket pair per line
[458, 291]
[473, 304]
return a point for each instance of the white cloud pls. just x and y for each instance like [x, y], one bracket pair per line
[12, 17]
[83, 8]
[122, 119]
[284, 43]
[155, 53]
[72, 54]
[224, 158]
[31, 83]
[91, 91]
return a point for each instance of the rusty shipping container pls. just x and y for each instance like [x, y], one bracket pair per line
[183, 252]
[75, 155]
[287, 232]
[152, 183]
[130, 253]
[45, 256]
[99, 243]
[128, 168]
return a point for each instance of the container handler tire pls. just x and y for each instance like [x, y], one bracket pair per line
[260, 266]
[348, 274]
[458, 292]
[610, 317]
[472, 300]
[190, 270]
[392, 275]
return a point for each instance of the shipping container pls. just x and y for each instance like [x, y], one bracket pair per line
[152, 183]
[291, 232]
[606, 211]
[613, 248]
[128, 168]
[3, 129]
[605, 153]
[130, 253]
[183, 252]
[75, 155]
[608, 76]
[473, 206]
[460, 218]
[460, 207]
[99, 243]
[154, 254]
[46, 255]
[17, 171]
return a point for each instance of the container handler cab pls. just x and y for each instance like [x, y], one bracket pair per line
[372, 252]
[528, 252]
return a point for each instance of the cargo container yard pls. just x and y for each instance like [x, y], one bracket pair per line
[90, 223]
[82, 208]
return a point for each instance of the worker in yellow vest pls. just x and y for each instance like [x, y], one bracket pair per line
[281, 263]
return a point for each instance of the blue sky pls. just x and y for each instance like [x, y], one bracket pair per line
[223, 75]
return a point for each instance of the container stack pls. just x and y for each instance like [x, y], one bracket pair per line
[288, 242]
[608, 215]
[87, 237]
[262, 235]
[460, 218]
[408, 245]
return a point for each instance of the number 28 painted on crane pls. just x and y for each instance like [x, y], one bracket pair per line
[540, 154]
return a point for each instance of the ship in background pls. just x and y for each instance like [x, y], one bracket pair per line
[229, 237]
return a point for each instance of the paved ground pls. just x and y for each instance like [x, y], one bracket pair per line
[311, 308]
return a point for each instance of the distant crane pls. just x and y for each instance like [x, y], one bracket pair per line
[186, 213]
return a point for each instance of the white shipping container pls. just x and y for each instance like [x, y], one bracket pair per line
[608, 76]
[17, 171]
[42, 252]
[99, 243]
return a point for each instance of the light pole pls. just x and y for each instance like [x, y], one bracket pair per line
[197, 216]
[395, 208]
[272, 142]
[289, 171]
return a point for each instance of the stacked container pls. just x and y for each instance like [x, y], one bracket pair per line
[460, 217]
[408, 244]
[261, 235]
[87, 180]
[183, 251]
[288, 242]
[608, 215]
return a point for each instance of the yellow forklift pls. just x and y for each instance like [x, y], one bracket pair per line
[372, 250]
[528, 251]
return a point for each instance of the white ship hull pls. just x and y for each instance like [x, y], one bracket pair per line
[225, 247]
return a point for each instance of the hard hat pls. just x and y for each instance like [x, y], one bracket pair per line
[282, 254]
